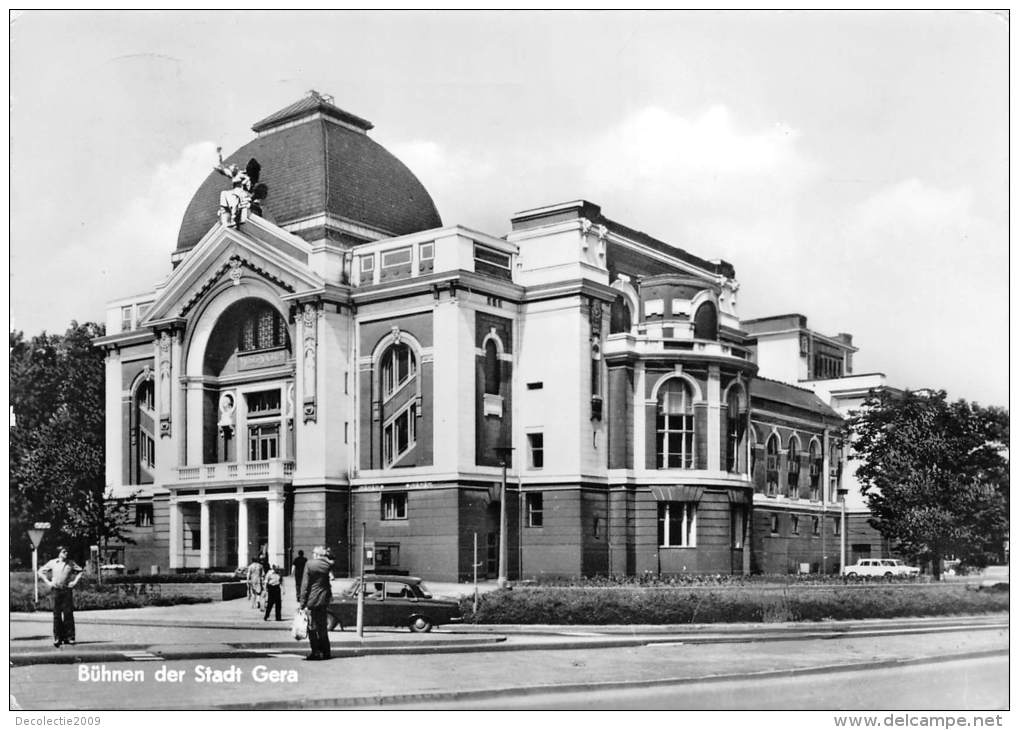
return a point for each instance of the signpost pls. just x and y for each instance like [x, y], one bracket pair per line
[367, 554]
[35, 535]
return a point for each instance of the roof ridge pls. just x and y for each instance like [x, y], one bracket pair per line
[305, 106]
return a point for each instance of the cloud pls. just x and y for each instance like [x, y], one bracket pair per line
[704, 163]
[117, 254]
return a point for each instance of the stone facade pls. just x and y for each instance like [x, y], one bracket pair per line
[294, 385]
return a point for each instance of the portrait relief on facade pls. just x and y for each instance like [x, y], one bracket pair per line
[309, 325]
[165, 388]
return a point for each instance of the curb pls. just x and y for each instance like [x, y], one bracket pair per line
[252, 650]
[483, 643]
[483, 694]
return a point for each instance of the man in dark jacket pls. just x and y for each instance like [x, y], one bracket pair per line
[316, 593]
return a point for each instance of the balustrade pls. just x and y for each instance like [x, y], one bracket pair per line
[273, 468]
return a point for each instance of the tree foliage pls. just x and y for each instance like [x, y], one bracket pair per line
[57, 442]
[935, 474]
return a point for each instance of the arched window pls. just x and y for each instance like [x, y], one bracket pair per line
[793, 468]
[675, 425]
[493, 369]
[400, 404]
[263, 328]
[815, 471]
[705, 322]
[620, 318]
[771, 466]
[734, 431]
[398, 367]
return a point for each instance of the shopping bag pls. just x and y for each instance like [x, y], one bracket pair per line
[300, 626]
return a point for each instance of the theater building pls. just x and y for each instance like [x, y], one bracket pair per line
[344, 361]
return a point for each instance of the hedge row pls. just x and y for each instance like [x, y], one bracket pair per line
[596, 606]
[88, 595]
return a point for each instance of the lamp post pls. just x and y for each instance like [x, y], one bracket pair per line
[505, 454]
[842, 531]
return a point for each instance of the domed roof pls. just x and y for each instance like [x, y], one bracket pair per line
[318, 159]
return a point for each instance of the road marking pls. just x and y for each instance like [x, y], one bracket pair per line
[139, 655]
[655, 644]
[278, 653]
[581, 633]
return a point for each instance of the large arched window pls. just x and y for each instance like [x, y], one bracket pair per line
[793, 468]
[771, 466]
[400, 404]
[815, 471]
[705, 322]
[398, 367]
[620, 318]
[263, 328]
[675, 428]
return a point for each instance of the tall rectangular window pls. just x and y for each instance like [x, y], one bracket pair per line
[263, 442]
[836, 526]
[534, 505]
[677, 524]
[146, 450]
[126, 319]
[143, 514]
[536, 450]
[398, 436]
[739, 524]
[795, 524]
[394, 506]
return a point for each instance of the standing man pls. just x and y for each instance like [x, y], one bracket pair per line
[297, 570]
[273, 588]
[316, 593]
[62, 575]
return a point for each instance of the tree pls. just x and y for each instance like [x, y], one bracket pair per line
[57, 442]
[935, 474]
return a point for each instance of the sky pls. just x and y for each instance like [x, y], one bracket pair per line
[853, 166]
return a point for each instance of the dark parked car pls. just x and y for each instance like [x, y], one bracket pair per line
[391, 600]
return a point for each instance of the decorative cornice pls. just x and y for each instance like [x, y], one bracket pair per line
[233, 264]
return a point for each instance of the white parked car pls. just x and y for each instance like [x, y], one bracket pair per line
[879, 567]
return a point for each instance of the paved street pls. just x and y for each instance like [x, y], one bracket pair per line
[228, 642]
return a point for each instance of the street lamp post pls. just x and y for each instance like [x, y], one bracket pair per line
[505, 454]
[842, 531]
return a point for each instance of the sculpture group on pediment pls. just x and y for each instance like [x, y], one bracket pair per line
[245, 195]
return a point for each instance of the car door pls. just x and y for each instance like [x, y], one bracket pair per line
[374, 603]
[399, 603]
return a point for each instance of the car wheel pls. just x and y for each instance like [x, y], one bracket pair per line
[332, 622]
[852, 576]
[419, 625]
[888, 575]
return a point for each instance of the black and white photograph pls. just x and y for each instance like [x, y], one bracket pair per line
[475, 361]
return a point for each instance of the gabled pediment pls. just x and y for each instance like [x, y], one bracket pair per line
[256, 249]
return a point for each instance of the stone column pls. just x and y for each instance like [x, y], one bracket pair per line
[276, 529]
[714, 424]
[205, 552]
[176, 550]
[242, 533]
